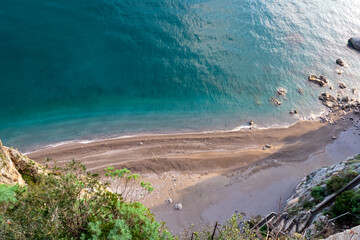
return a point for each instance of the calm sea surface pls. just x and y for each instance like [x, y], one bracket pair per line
[90, 69]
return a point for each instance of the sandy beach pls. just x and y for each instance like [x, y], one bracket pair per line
[215, 174]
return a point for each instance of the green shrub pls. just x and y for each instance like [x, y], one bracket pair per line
[229, 231]
[71, 203]
[337, 182]
[348, 201]
[308, 204]
[318, 193]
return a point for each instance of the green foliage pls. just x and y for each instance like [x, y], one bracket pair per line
[348, 201]
[231, 230]
[129, 185]
[8, 193]
[318, 193]
[340, 180]
[308, 204]
[71, 203]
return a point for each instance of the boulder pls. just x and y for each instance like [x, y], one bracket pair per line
[340, 62]
[355, 41]
[178, 206]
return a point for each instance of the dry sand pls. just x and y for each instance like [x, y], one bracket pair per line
[215, 174]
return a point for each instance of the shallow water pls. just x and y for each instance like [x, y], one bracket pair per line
[99, 68]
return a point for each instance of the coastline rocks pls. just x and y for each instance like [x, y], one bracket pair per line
[328, 100]
[342, 85]
[355, 41]
[321, 81]
[281, 91]
[251, 123]
[178, 206]
[340, 62]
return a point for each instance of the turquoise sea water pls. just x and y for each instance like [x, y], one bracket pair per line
[89, 69]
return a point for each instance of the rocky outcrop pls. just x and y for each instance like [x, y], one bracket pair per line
[353, 233]
[13, 165]
[8, 172]
[344, 103]
[301, 213]
[355, 41]
[321, 81]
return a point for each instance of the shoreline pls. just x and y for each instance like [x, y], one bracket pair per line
[213, 174]
[311, 117]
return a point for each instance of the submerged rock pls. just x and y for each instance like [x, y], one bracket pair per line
[355, 41]
[275, 101]
[281, 91]
[321, 81]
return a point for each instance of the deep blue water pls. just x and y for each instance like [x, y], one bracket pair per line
[97, 68]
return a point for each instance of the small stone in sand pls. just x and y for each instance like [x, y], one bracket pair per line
[178, 206]
[169, 200]
[268, 146]
[334, 137]
[140, 143]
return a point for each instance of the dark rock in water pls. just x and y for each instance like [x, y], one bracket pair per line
[321, 81]
[301, 91]
[292, 112]
[251, 123]
[277, 102]
[340, 62]
[355, 42]
[342, 85]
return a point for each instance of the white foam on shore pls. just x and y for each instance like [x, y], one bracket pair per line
[311, 117]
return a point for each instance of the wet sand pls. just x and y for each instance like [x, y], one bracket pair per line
[215, 174]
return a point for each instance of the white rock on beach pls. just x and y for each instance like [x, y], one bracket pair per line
[178, 206]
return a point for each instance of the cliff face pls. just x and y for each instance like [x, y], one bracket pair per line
[14, 165]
